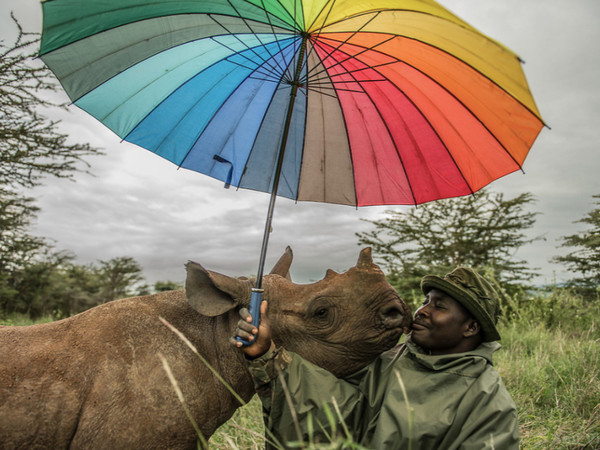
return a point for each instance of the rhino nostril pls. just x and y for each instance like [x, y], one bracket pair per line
[391, 312]
[392, 316]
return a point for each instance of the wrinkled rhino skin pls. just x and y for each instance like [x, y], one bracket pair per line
[95, 380]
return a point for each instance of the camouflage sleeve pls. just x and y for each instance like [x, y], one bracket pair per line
[265, 369]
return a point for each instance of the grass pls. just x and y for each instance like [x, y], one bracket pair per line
[243, 431]
[550, 363]
[20, 320]
[554, 378]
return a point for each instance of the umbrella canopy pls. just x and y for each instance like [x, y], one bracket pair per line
[352, 102]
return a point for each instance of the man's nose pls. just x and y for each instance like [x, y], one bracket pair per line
[422, 311]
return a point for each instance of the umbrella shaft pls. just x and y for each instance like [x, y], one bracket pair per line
[284, 137]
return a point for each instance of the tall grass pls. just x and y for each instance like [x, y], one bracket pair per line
[550, 363]
[554, 378]
[18, 319]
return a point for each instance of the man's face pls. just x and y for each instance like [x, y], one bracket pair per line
[440, 324]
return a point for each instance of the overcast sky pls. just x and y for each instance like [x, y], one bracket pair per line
[138, 205]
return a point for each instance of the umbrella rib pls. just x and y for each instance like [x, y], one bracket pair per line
[450, 54]
[320, 80]
[268, 17]
[365, 49]
[254, 66]
[320, 91]
[256, 34]
[331, 5]
[257, 68]
[293, 17]
[432, 127]
[390, 134]
[330, 77]
[325, 84]
[266, 79]
[264, 61]
[397, 60]
[346, 40]
[318, 31]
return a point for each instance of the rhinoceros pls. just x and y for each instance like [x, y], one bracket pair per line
[95, 380]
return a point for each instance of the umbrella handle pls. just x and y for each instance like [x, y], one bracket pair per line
[255, 301]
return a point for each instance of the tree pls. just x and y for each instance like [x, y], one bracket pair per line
[30, 146]
[483, 232]
[119, 277]
[163, 286]
[55, 285]
[17, 247]
[586, 259]
[30, 149]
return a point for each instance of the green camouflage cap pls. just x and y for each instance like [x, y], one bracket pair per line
[472, 291]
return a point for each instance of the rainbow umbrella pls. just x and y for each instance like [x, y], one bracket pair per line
[375, 102]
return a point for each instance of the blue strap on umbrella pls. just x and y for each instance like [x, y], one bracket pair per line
[220, 159]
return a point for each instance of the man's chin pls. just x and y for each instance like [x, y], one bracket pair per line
[414, 337]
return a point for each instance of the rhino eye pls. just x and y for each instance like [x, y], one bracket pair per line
[322, 313]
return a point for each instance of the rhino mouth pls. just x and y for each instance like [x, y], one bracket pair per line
[395, 315]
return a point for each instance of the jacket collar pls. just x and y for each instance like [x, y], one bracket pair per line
[472, 361]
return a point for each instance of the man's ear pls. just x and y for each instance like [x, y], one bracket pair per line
[473, 328]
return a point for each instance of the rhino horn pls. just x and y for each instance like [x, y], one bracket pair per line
[365, 260]
[282, 267]
[330, 274]
[211, 293]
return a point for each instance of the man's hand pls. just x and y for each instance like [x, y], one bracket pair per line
[248, 332]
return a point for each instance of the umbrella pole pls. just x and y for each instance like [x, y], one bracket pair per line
[286, 129]
[257, 291]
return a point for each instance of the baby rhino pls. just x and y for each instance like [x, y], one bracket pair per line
[95, 380]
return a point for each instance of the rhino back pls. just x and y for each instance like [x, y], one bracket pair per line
[96, 378]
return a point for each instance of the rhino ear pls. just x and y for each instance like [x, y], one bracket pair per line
[282, 267]
[213, 294]
[365, 260]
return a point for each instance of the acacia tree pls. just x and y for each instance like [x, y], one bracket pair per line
[30, 145]
[31, 149]
[482, 231]
[585, 260]
[119, 276]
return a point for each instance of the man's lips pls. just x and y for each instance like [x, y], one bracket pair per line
[419, 326]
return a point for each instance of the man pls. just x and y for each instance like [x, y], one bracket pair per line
[439, 390]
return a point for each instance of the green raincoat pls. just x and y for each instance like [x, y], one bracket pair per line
[455, 401]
